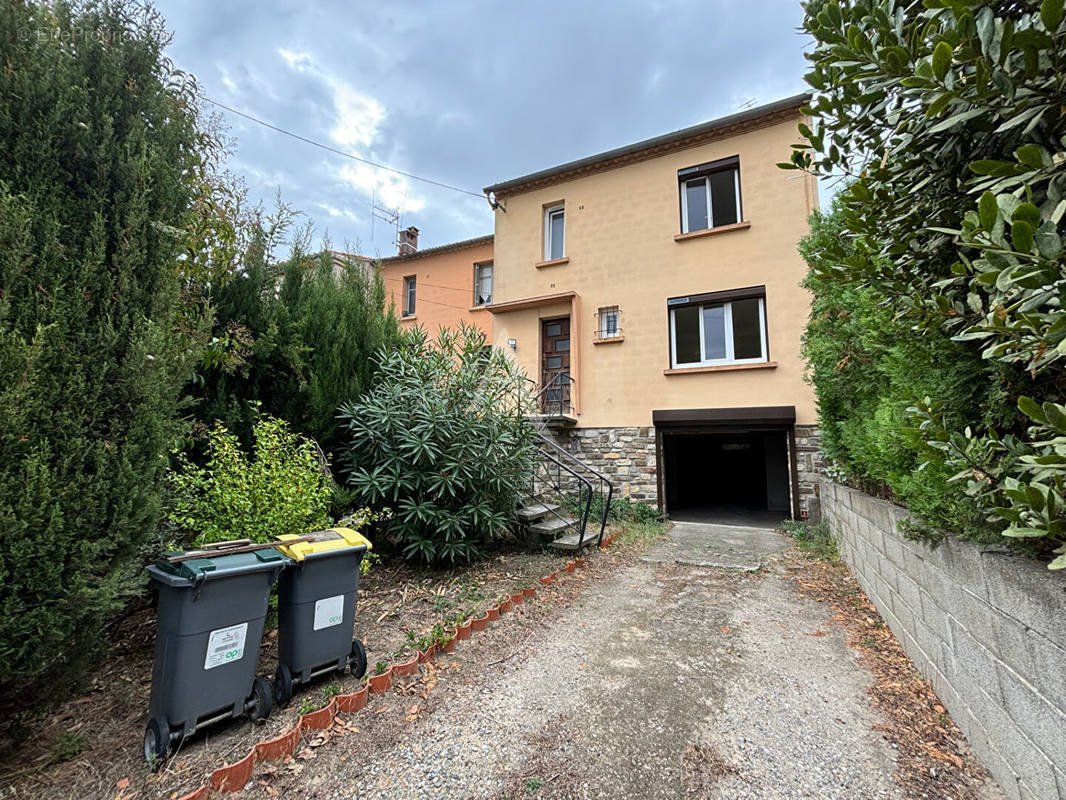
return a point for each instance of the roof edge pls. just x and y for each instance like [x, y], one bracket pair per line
[667, 142]
[439, 249]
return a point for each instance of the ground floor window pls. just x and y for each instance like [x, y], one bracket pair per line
[714, 334]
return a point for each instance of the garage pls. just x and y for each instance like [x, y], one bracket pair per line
[729, 466]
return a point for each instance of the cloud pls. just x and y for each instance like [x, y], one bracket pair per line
[359, 115]
[448, 91]
[358, 120]
[389, 190]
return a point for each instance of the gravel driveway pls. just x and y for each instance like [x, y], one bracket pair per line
[661, 680]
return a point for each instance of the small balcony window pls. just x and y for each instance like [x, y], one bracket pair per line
[607, 323]
[554, 232]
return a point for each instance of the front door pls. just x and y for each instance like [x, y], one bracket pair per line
[555, 365]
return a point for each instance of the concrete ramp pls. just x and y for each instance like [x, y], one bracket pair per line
[724, 546]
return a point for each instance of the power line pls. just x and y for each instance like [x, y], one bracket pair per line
[439, 303]
[435, 285]
[342, 152]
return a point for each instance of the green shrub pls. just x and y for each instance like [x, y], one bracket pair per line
[869, 367]
[623, 509]
[100, 158]
[280, 488]
[443, 438]
[947, 118]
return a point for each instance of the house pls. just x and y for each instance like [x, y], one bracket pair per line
[440, 286]
[653, 292]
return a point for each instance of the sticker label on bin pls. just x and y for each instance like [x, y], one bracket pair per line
[226, 645]
[329, 611]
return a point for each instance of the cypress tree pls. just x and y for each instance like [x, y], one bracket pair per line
[299, 337]
[99, 157]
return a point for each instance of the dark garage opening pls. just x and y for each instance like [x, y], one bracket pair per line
[736, 477]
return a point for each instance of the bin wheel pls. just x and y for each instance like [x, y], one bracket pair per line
[357, 659]
[260, 708]
[156, 742]
[282, 686]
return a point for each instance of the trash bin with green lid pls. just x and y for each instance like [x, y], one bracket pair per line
[212, 607]
[316, 608]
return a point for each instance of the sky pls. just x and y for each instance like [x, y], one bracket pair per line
[464, 92]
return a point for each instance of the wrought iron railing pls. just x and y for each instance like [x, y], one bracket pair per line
[553, 484]
[554, 397]
[582, 493]
[589, 485]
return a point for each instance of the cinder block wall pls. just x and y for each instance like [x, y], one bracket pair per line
[986, 627]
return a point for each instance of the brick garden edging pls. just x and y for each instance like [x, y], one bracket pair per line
[234, 777]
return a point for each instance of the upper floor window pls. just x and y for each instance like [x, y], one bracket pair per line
[718, 328]
[607, 323]
[554, 232]
[482, 284]
[409, 296]
[710, 195]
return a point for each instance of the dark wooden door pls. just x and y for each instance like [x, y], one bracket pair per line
[555, 365]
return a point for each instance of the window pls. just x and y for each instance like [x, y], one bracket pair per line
[710, 195]
[409, 296]
[710, 334]
[607, 323]
[482, 284]
[554, 233]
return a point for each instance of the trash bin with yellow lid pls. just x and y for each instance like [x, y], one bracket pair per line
[316, 608]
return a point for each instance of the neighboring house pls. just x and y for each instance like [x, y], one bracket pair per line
[653, 292]
[440, 286]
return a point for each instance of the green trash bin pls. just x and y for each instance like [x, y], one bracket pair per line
[316, 608]
[212, 608]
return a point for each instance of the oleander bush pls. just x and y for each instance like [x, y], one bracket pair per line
[442, 438]
[945, 117]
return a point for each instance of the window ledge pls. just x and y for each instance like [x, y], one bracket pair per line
[608, 339]
[481, 307]
[555, 262]
[406, 317]
[736, 226]
[720, 368]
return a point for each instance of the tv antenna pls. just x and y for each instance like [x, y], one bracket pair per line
[751, 102]
[386, 215]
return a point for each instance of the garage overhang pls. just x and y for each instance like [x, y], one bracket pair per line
[752, 416]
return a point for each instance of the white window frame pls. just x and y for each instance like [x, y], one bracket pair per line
[410, 295]
[728, 323]
[604, 313]
[560, 208]
[477, 283]
[706, 179]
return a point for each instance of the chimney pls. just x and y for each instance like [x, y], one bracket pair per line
[408, 243]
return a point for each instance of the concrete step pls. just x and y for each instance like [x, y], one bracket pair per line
[570, 542]
[535, 511]
[552, 526]
[541, 421]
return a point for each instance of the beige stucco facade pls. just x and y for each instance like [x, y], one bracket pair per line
[622, 248]
[444, 285]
